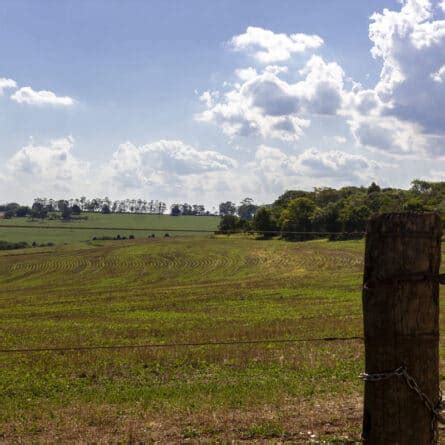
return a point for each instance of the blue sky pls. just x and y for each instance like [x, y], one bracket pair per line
[147, 98]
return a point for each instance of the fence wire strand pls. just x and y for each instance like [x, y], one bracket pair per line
[178, 345]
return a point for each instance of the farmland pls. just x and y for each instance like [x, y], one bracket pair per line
[99, 225]
[181, 290]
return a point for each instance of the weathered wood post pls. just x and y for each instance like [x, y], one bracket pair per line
[401, 323]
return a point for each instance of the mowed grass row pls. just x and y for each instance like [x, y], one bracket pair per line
[99, 225]
[175, 291]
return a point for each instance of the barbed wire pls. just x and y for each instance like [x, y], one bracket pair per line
[180, 345]
[153, 229]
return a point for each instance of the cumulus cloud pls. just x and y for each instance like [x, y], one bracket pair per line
[269, 47]
[53, 160]
[401, 115]
[26, 95]
[408, 101]
[332, 166]
[46, 168]
[158, 162]
[6, 83]
[166, 169]
[265, 105]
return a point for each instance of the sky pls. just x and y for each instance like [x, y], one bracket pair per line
[205, 101]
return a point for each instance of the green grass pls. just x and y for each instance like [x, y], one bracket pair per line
[176, 291]
[99, 225]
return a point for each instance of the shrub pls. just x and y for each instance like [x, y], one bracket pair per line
[6, 245]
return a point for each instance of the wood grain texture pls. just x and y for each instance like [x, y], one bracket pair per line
[401, 324]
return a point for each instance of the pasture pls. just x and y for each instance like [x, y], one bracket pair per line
[99, 225]
[182, 290]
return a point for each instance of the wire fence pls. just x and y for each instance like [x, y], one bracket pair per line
[180, 345]
[187, 230]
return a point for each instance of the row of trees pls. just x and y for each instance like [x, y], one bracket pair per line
[188, 209]
[105, 205]
[330, 210]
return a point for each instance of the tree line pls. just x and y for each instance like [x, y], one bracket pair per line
[343, 212]
[44, 207]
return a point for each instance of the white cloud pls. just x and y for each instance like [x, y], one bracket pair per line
[402, 115]
[442, 5]
[337, 164]
[409, 98]
[269, 47]
[322, 88]
[333, 166]
[439, 75]
[28, 96]
[246, 73]
[157, 163]
[46, 169]
[53, 160]
[6, 83]
[265, 105]
[165, 169]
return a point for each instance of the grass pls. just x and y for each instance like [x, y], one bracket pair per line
[99, 225]
[175, 291]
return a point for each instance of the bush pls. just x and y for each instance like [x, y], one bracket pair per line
[6, 245]
[345, 236]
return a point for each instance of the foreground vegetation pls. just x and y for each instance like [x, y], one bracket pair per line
[182, 290]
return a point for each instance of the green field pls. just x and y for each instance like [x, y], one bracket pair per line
[99, 225]
[182, 290]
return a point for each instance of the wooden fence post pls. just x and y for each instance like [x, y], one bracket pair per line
[401, 323]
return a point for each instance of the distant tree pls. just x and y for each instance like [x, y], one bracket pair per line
[9, 208]
[105, 209]
[327, 218]
[325, 195]
[227, 208]
[22, 211]
[373, 188]
[66, 213]
[38, 210]
[61, 205]
[175, 210]
[419, 186]
[354, 217]
[297, 217]
[283, 200]
[64, 209]
[76, 209]
[229, 224]
[263, 222]
[247, 209]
